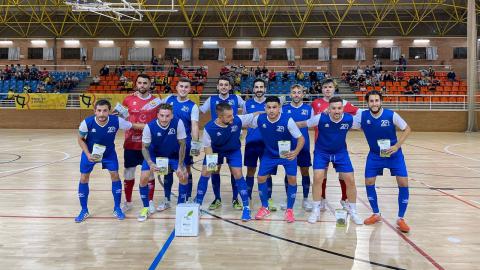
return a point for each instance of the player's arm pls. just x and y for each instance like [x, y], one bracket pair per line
[125, 125]
[205, 106]
[357, 120]
[406, 130]
[181, 136]
[81, 139]
[249, 120]
[312, 122]
[195, 118]
[295, 132]
[241, 104]
[207, 143]
[146, 141]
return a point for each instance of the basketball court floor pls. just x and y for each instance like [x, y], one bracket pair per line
[38, 202]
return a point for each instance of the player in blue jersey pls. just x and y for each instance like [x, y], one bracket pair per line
[379, 126]
[300, 111]
[222, 137]
[163, 137]
[223, 86]
[186, 110]
[98, 131]
[253, 142]
[277, 129]
[331, 147]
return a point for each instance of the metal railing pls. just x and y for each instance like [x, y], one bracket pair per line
[409, 68]
[50, 68]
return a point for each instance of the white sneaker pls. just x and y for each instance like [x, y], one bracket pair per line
[151, 207]
[323, 204]
[283, 206]
[345, 205]
[127, 206]
[314, 216]
[163, 205]
[356, 219]
[307, 205]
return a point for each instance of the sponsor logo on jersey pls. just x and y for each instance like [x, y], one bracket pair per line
[304, 112]
[171, 131]
[234, 128]
[327, 125]
[94, 130]
[219, 133]
[159, 134]
[185, 109]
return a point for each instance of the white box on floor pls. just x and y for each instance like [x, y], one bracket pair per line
[187, 219]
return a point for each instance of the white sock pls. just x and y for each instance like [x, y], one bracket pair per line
[353, 207]
[316, 204]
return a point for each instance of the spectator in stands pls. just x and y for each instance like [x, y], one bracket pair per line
[128, 85]
[19, 68]
[122, 80]
[285, 76]
[271, 75]
[258, 72]
[403, 62]
[170, 75]
[377, 64]
[154, 63]
[431, 72]
[264, 70]
[84, 60]
[368, 71]
[245, 73]
[168, 89]
[451, 75]
[313, 77]
[95, 80]
[299, 75]
[175, 62]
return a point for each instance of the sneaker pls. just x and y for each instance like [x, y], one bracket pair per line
[289, 216]
[271, 205]
[162, 205]
[215, 204]
[82, 216]
[402, 225]
[151, 207]
[246, 214]
[237, 205]
[262, 213]
[323, 205]
[127, 206]
[283, 206]
[372, 219]
[143, 214]
[307, 205]
[344, 205]
[314, 216]
[356, 219]
[117, 212]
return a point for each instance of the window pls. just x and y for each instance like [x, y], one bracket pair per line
[3, 53]
[277, 54]
[382, 53]
[346, 53]
[310, 53]
[417, 53]
[208, 54]
[460, 53]
[35, 53]
[70, 53]
[242, 54]
[171, 53]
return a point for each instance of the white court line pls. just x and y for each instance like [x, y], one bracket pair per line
[32, 145]
[475, 201]
[66, 156]
[458, 155]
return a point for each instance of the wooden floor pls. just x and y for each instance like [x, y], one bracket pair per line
[39, 178]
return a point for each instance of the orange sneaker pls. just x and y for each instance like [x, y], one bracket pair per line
[402, 225]
[372, 219]
[262, 213]
[289, 216]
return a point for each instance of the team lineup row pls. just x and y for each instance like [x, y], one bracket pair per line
[164, 133]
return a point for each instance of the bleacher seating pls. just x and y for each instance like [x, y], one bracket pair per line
[278, 86]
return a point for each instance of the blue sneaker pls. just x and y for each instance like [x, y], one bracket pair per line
[246, 214]
[82, 216]
[117, 212]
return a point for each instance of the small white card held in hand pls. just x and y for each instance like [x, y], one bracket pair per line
[384, 146]
[162, 165]
[283, 148]
[97, 152]
[212, 162]
[187, 219]
[121, 110]
[195, 148]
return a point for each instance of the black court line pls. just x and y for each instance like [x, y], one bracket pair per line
[17, 157]
[302, 244]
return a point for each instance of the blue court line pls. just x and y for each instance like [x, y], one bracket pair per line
[162, 252]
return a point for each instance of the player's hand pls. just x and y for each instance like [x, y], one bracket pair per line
[291, 155]
[182, 172]
[153, 167]
[392, 150]
[90, 157]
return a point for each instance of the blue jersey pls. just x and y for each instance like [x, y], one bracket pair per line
[224, 139]
[302, 113]
[164, 139]
[251, 106]
[272, 133]
[331, 135]
[379, 129]
[183, 111]
[232, 100]
[104, 135]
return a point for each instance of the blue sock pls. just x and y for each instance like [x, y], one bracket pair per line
[242, 188]
[285, 181]
[270, 187]
[234, 188]
[117, 193]
[250, 182]
[372, 198]
[83, 192]
[201, 189]
[167, 185]
[263, 192]
[216, 186]
[403, 196]
[190, 185]
[291, 193]
[182, 193]
[306, 185]
[144, 195]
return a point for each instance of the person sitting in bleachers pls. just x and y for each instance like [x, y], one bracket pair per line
[451, 75]
[271, 75]
[285, 76]
[313, 77]
[128, 85]
[95, 80]
[105, 70]
[299, 75]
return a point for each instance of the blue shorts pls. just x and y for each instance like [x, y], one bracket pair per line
[234, 158]
[253, 152]
[268, 166]
[341, 161]
[132, 158]
[109, 162]
[172, 165]
[376, 164]
[304, 159]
